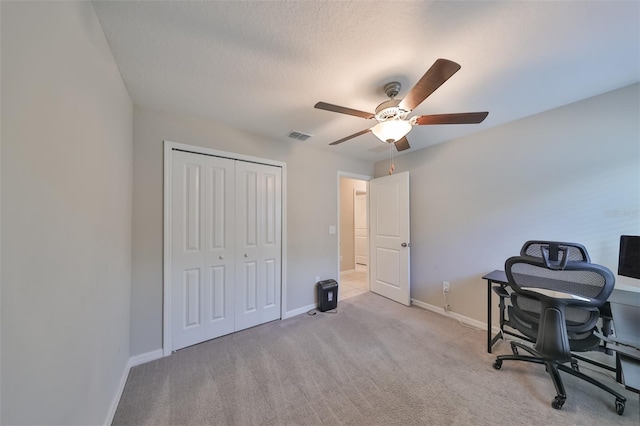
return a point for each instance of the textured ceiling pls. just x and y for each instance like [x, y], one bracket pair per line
[261, 66]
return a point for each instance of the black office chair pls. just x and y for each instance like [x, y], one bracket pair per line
[555, 303]
[575, 252]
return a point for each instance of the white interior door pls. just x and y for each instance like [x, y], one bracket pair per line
[259, 245]
[361, 243]
[202, 248]
[389, 224]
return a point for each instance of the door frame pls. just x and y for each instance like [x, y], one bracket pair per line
[366, 178]
[357, 192]
[166, 275]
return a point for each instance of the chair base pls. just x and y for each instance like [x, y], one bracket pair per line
[553, 368]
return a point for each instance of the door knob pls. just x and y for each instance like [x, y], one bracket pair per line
[404, 245]
[221, 257]
[246, 255]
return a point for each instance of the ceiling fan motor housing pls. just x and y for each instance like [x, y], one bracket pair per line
[392, 89]
[389, 110]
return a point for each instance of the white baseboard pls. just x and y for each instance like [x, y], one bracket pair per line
[438, 310]
[116, 399]
[145, 357]
[299, 311]
[133, 361]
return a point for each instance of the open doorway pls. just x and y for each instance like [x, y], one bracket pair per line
[353, 238]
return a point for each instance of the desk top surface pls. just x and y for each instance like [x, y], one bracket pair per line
[497, 276]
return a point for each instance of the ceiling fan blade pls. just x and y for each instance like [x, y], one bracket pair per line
[402, 144]
[439, 72]
[343, 110]
[350, 137]
[459, 118]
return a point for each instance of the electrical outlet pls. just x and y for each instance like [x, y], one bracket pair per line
[445, 286]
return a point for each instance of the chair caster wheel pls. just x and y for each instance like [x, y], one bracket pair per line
[619, 407]
[574, 365]
[558, 402]
[498, 364]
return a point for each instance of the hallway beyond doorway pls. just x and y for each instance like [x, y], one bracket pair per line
[353, 282]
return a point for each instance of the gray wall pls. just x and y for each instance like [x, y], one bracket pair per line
[311, 208]
[66, 216]
[569, 174]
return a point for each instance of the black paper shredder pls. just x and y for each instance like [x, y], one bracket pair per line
[327, 295]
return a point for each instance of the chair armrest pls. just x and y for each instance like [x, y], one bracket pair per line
[500, 291]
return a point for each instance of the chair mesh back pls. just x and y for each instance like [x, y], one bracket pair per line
[578, 278]
[584, 283]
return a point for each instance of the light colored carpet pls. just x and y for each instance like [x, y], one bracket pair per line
[375, 362]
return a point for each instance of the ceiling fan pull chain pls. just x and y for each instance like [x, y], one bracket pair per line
[391, 165]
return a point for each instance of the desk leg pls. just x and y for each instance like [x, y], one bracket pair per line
[489, 316]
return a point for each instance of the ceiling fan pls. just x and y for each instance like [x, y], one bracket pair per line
[393, 124]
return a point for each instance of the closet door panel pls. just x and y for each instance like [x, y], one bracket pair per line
[187, 253]
[258, 232]
[271, 242]
[202, 235]
[220, 246]
[247, 253]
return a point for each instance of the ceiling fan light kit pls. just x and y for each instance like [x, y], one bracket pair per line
[391, 115]
[392, 130]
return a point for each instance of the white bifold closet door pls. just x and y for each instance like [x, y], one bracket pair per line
[225, 248]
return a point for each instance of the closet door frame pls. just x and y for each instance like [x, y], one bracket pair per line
[168, 148]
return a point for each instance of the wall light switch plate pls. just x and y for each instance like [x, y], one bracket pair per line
[332, 230]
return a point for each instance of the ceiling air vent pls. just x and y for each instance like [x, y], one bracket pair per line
[298, 135]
